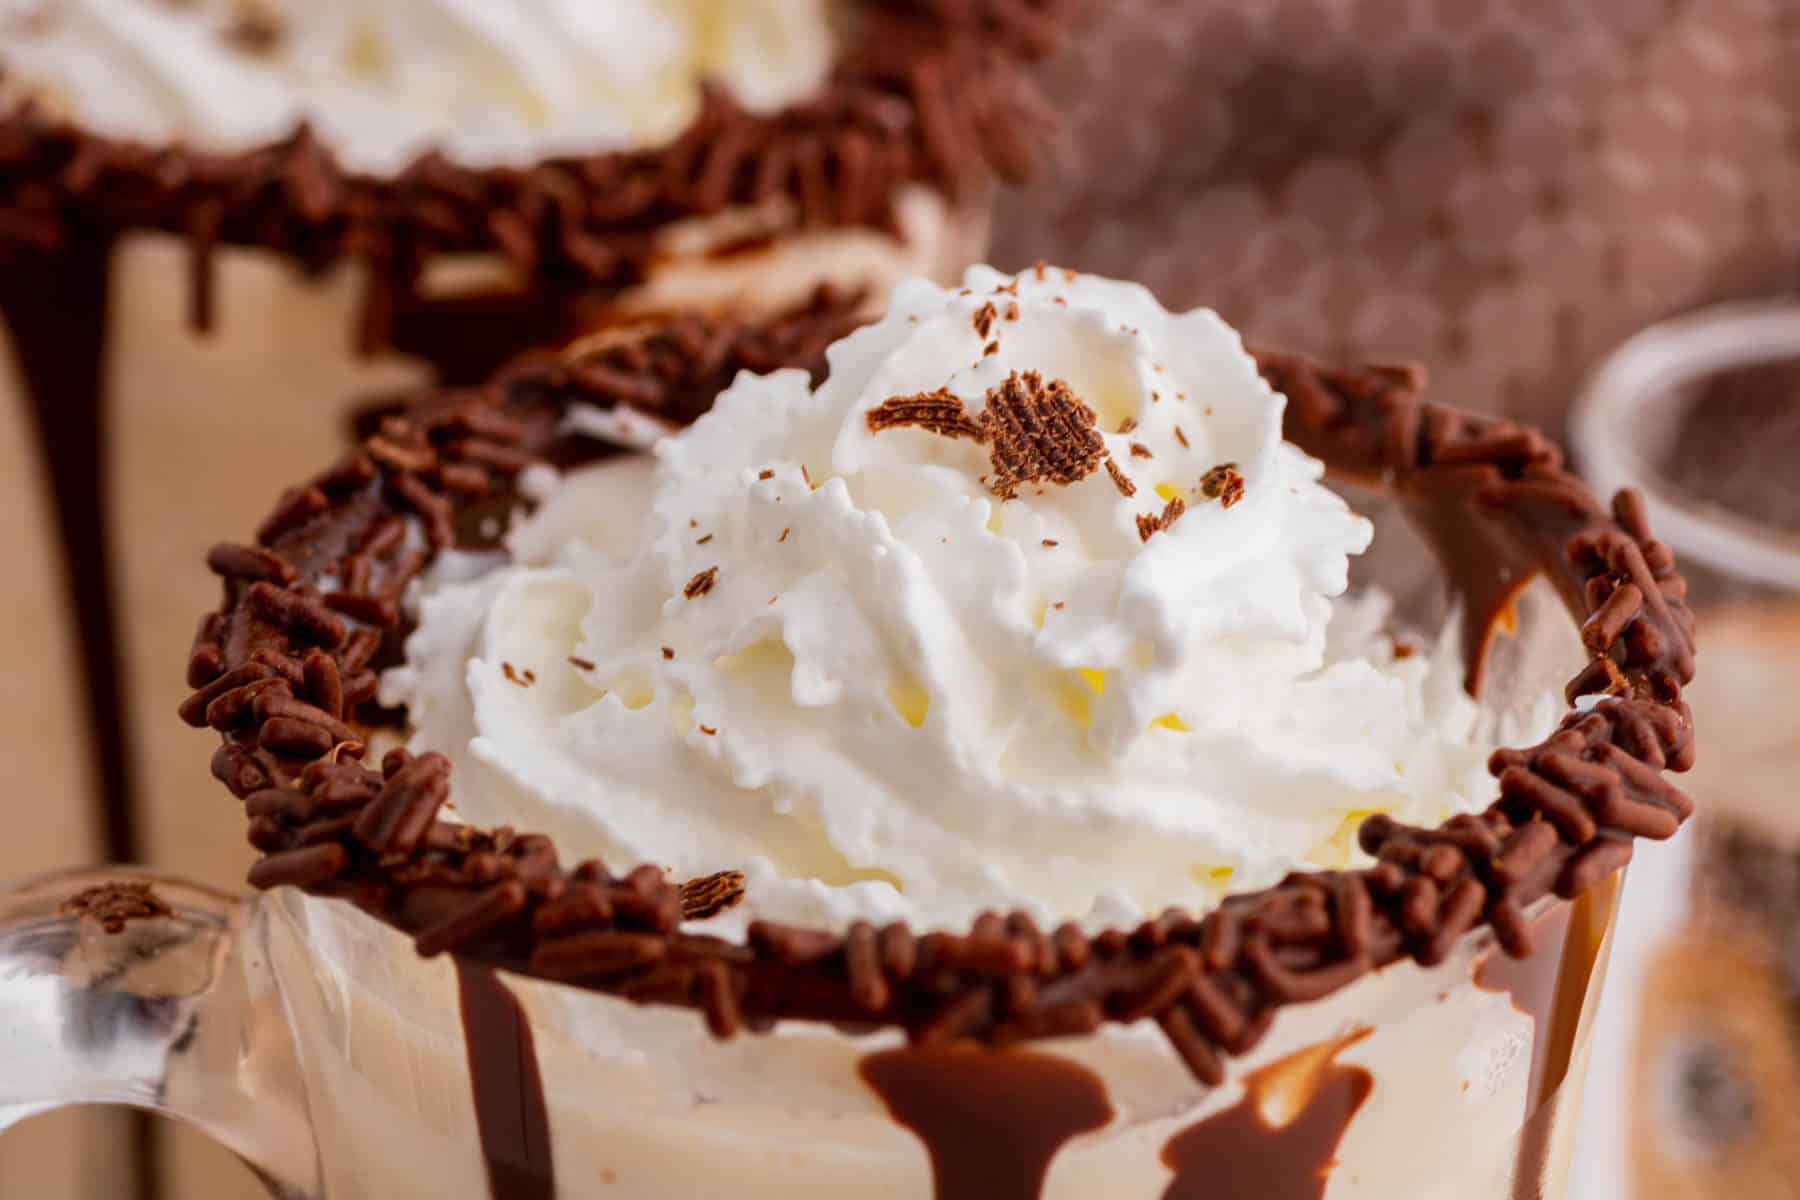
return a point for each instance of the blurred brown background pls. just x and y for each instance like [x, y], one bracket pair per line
[1503, 189]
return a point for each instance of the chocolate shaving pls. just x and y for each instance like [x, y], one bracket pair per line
[1151, 524]
[1039, 433]
[940, 412]
[700, 584]
[1036, 432]
[1120, 480]
[1566, 813]
[710, 895]
[116, 905]
[1224, 484]
[984, 319]
[1139, 450]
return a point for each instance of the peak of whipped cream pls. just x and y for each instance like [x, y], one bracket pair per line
[487, 83]
[1028, 605]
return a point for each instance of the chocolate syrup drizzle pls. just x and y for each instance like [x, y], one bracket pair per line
[511, 1113]
[990, 1121]
[1239, 1153]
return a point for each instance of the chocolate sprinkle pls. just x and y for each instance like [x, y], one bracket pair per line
[116, 905]
[1567, 811]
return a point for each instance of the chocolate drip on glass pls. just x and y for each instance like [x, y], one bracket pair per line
[991, 1123]
[1242, 1152]
[511, 1113]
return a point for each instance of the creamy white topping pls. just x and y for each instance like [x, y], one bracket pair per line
[835, 658]
[486, 82]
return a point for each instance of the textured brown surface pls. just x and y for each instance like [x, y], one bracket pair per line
[282, 668]
[1503, 189]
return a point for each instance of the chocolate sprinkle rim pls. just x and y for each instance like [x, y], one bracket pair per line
[928, 91]
[287, 664]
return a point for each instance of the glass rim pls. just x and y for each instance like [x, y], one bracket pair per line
[1607, 429]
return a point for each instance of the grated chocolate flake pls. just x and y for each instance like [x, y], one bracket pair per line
[940, 412]
[701, 584]
[1128, 425]
[582, 663]
[784, 536]
[1036, 432]
[991, 349]
[1224, 484]
[702, 541]
[668, 653]
[710, 895]
[1139, 450]
[116, 905]
[985, 316]
[1151, 524]
[1181, 437]
[513, 677]
[1120, 480]
[765, 473]
[1039, 433]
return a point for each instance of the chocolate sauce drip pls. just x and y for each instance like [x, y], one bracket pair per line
[55, 307]
[510, 1110]
[1549, 987]
[467, 339]
[1238, 1153]
[991, 1121]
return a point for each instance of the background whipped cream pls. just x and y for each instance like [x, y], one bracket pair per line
[835, 659]
[487, 83]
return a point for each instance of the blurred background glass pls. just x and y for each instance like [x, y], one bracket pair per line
[1701, 1081]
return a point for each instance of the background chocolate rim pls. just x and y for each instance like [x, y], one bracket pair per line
[311, 611]
[931, 92]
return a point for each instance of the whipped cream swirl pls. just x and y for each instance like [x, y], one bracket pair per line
[1027, 605]
[487, 83]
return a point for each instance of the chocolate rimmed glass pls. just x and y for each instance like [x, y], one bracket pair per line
[1412, 1028]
